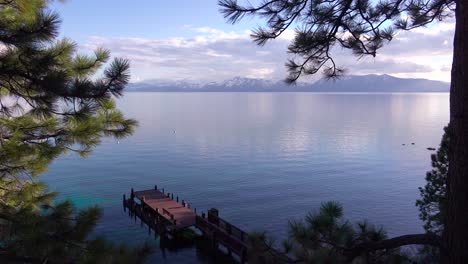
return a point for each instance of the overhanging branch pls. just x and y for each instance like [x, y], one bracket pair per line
[392, 243]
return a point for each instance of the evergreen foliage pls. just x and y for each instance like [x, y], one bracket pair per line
[434, 194]
[52, 101]
[60, 234]
[325, 237]
[433, 202]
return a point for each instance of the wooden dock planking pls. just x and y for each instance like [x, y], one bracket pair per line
[160, 202]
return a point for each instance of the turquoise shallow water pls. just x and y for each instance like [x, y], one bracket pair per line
[262, 159]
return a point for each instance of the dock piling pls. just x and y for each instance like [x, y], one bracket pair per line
[243, 257]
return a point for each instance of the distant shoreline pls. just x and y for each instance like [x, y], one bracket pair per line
[348, 84]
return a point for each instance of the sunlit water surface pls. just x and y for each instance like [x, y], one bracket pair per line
[262, 159]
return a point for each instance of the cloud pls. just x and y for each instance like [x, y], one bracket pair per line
[213, 55]
[389, 66]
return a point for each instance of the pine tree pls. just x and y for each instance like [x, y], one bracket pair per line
[52, 102]
[433, 202]
[363, 27]
[325, 237]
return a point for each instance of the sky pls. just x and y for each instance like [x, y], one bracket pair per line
[190, 40]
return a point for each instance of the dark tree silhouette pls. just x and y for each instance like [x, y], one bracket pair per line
[325, 237]
[51, 102]
[363, 27]
[433, 202]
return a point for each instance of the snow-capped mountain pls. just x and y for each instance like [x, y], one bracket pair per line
[349, 83]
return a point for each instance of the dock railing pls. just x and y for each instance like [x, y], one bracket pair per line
[213, 217]
[218, 233]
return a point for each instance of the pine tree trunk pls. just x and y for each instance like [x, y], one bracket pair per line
[456, 230]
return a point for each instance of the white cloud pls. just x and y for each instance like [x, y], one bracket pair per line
[261, 73]
[214, 55]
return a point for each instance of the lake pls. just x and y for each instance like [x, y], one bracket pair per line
[262, 159]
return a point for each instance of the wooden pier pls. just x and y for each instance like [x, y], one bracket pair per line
[178, 214]
[165, 214]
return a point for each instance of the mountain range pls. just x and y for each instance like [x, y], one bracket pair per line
[348, 83]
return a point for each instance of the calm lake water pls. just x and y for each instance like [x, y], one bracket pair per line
[262, 159]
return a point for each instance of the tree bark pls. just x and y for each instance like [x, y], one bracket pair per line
[455, 236]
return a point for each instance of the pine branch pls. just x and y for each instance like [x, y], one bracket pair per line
[392, 243]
